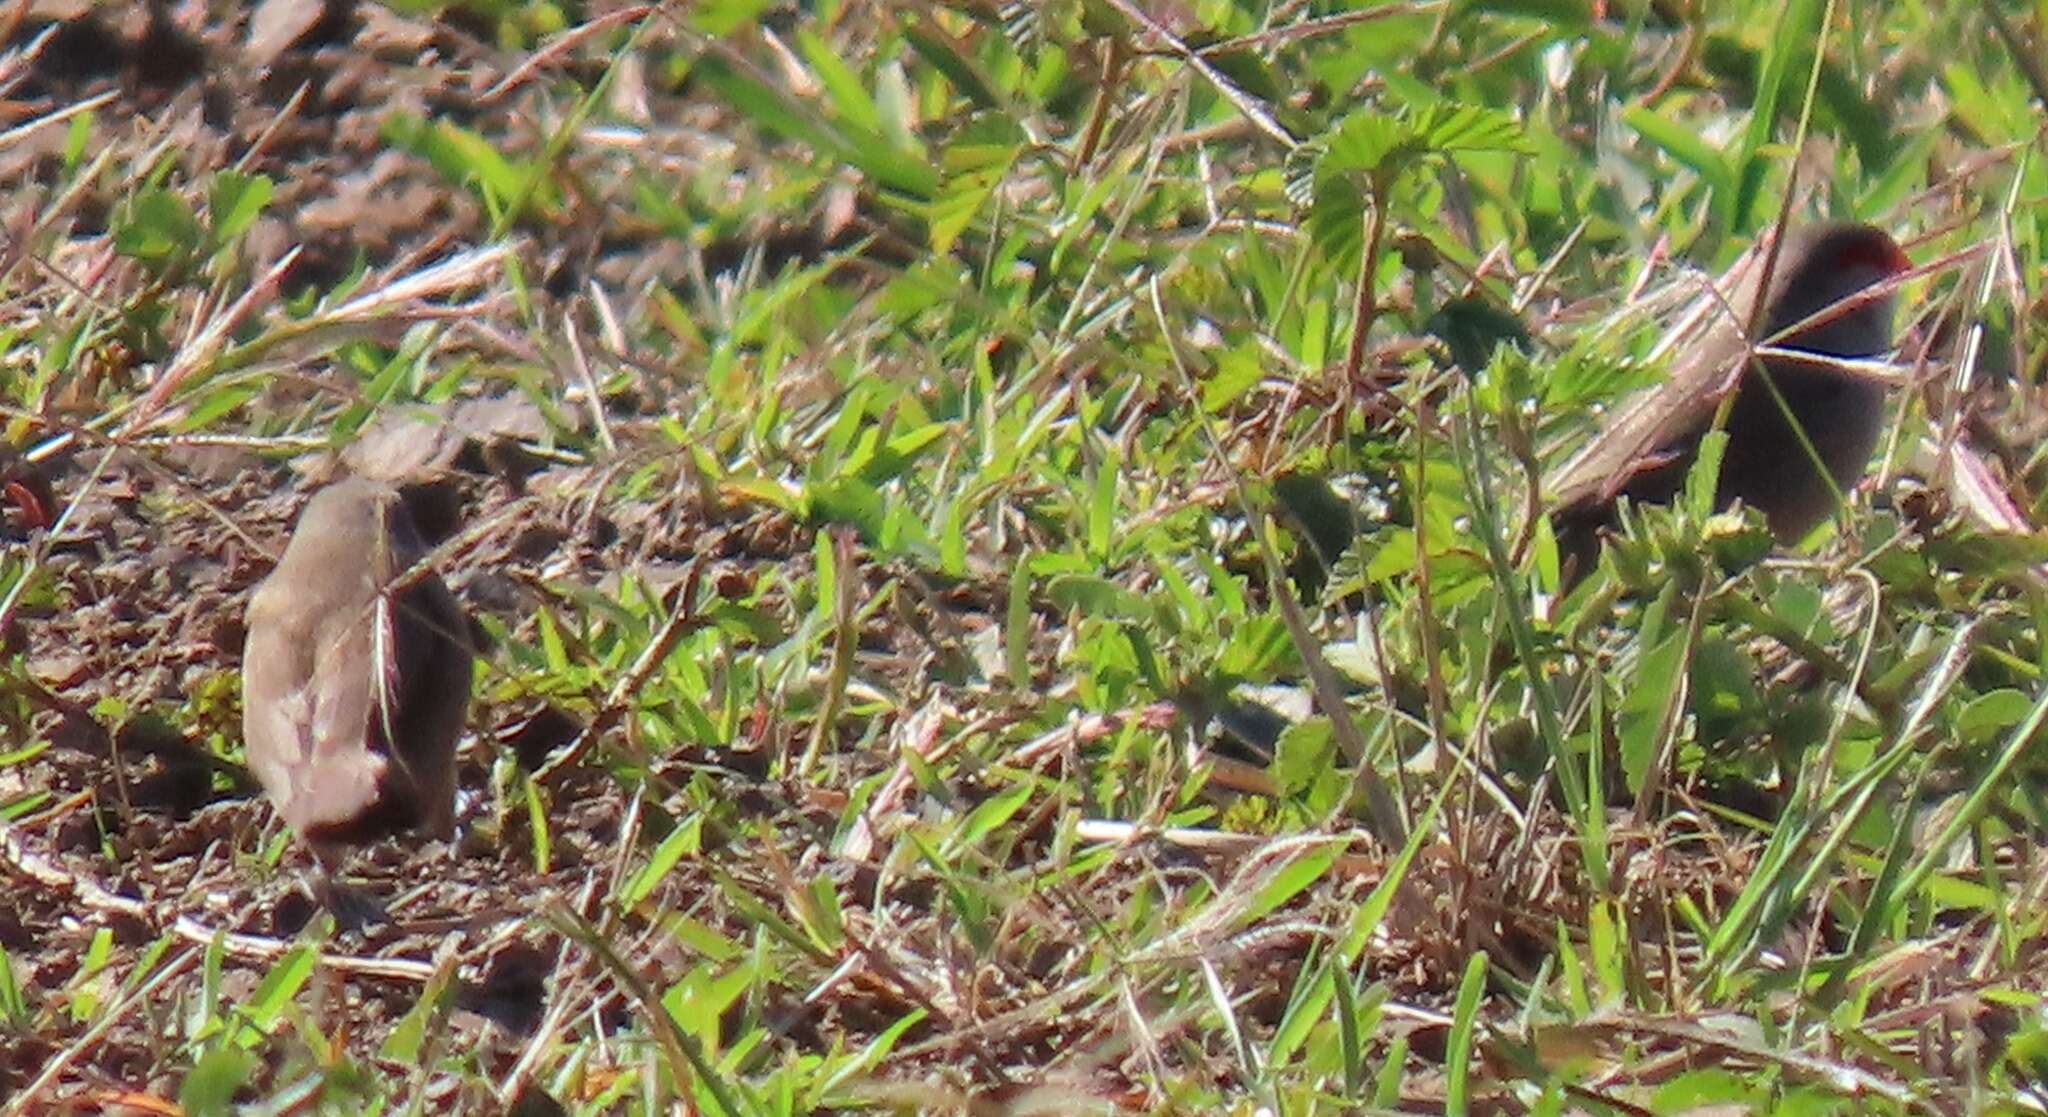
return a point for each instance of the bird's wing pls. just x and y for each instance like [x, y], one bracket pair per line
[276, 707]
[304, 709]
[1706, 348]
[344, 772]
[434, 659]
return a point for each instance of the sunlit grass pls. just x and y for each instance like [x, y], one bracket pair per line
[944, 370]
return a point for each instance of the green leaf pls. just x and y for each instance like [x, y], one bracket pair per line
[1102, 508]
[1703, 477]
[1098, 597]
[1683, 144]
[1988, 715]
[1448, 127]
[1257, 650]
[1643, 710]
[209, 1090]
[869, 151]
[903, 451]
[720, 18]
[937, 48]
[1464, 1027]
[1017, 627]
[1575, 380]
[1289, 882]
[1790, 45]
[841, 84]
[1706, 1089]
[1362, 143]
[1372, 141]
[1314, 989]
[1237, 372]
[1307, 767]
[290, 973]
[966, 193]
[157, 229]
[466, 157]
[408, 1038]
[850, 500]
[234, 202]
[14, 1011]
[683, 840]
[989, 817]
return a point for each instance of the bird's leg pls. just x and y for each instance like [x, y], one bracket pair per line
[353, 908]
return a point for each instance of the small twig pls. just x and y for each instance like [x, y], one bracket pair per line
[1836, 1073]
[1098, 115]
[436, 560]
[595, 398]
[558, 46]
[21, 131]
[544, 1037]
[915, 735]
[277, 121]
[1116, 832]
[1367, 307]
[1242, 101]
[1081, 730]
[47, 873]
[1314, 28]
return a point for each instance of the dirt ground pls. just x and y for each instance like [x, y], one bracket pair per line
[132, 830]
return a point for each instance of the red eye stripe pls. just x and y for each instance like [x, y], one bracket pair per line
[1879, 253]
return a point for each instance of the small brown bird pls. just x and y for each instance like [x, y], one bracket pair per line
[1645, 452]
[354, 690]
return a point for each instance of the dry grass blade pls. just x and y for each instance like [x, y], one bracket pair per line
[408, 294]
[21, 132]
[206, 344]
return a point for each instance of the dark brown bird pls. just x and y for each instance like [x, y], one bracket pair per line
[1645, 452]
[354, 690]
